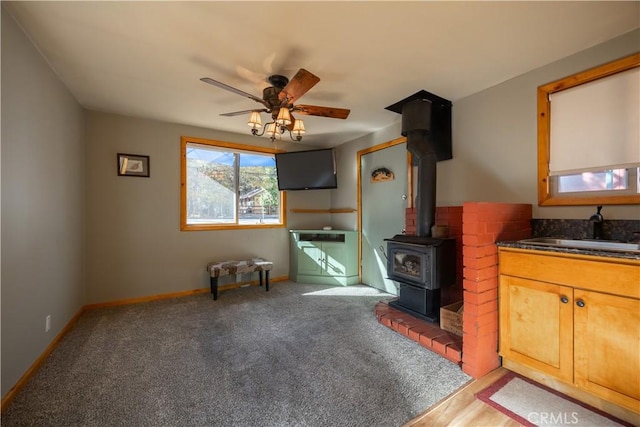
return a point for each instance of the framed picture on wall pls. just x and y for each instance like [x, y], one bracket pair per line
[133, 165]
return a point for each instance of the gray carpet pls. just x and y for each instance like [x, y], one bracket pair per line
[299, 355]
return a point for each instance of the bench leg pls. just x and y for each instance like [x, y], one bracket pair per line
[214, 287]
[266, 274]
[260, 276]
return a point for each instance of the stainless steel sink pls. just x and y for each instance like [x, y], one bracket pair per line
[601, 245]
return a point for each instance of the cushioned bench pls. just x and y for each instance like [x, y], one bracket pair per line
[225, 268]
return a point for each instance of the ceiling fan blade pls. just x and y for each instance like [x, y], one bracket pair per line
[239, 113]
[234, 90]
[297, 86]
[314, 110]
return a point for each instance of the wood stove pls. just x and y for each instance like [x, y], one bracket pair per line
[421, 266]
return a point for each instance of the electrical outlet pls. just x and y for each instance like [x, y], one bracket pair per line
[47, 323]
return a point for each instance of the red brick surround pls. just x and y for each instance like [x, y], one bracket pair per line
[477, 226]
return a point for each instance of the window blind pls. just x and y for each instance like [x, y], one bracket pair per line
[596, 125]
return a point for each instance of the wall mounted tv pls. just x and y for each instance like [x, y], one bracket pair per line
[306, 170]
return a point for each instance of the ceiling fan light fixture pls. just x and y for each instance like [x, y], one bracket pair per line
[284, 118]
[279, 100]
[272, 130]
[254, 120]
[298, 130]
[298, 127]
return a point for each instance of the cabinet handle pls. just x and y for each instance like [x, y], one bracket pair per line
[580, 303]
[564, 299]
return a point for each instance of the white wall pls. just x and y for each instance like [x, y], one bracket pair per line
[308, 199]
[495, 143]
[346, 195]
[133, 240]
[495, 138]
[42, 204]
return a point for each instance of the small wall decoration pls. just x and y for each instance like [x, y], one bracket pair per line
[133, 165]
[382, 174]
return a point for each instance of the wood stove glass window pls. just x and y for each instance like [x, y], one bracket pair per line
[407, 263]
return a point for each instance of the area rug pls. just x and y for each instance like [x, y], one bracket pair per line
[533, 404]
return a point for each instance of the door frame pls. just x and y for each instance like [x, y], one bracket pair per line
[393, 142]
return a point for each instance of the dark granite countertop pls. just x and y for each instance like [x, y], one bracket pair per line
[582, 251]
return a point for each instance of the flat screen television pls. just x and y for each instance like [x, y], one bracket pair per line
[306, 170]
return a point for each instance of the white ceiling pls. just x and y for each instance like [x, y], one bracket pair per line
[146, 59]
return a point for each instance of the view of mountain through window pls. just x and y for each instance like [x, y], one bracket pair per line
[231, 187]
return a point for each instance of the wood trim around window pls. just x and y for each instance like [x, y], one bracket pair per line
[184, 140]
[545, 197]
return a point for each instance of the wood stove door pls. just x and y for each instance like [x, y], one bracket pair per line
[383, 211]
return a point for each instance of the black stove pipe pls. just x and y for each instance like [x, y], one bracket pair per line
[416, 127]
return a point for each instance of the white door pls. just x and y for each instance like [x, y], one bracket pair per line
[383, 212]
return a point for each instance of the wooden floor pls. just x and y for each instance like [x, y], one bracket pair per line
[463, 409]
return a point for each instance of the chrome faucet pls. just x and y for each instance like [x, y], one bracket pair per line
[597, 220]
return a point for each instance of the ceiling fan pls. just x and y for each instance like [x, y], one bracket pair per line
[278, 100]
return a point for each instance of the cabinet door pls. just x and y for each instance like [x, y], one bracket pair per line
[335, 259]
[309, 259]
[536, 325]
[607, 346]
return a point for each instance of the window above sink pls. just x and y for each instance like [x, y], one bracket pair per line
[588, 150]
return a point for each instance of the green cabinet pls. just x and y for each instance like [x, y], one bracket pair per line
[309, 258]
[328, 257]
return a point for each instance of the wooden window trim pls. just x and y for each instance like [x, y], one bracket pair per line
[183, 186]
[545, 196]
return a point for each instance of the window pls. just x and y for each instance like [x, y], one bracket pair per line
[226, 185]
[597, 182]
[589, 150]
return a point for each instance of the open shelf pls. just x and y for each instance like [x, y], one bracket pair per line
[342, 210]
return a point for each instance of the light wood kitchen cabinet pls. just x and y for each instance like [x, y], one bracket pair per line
[538, 325]
[573, 318]
[607, 346]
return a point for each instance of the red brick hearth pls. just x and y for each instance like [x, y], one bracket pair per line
[477, 226]
[427, 334]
